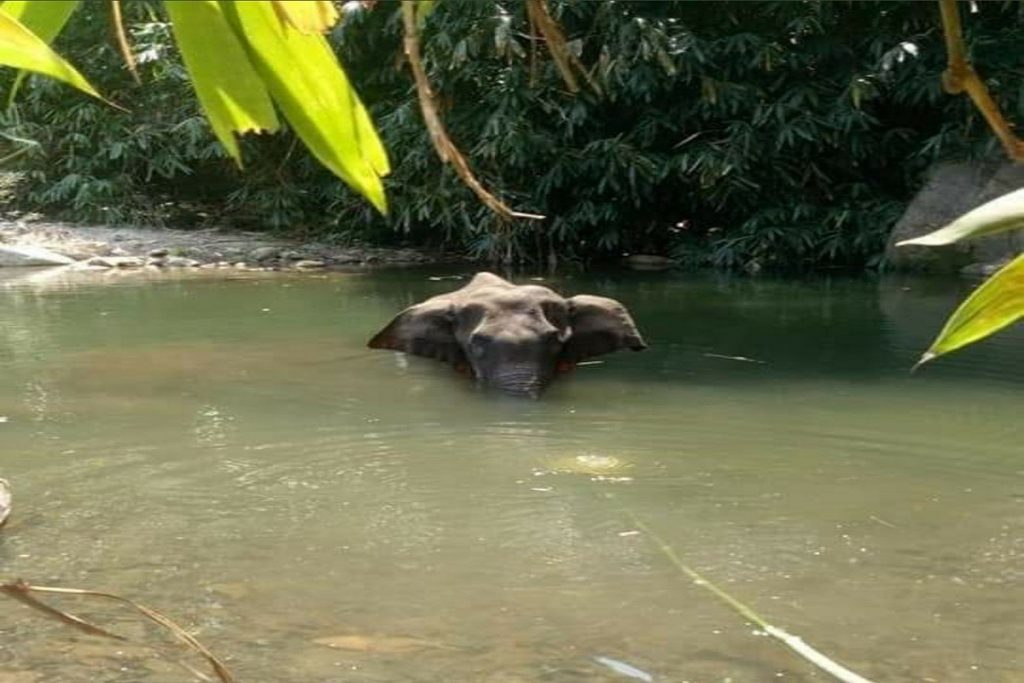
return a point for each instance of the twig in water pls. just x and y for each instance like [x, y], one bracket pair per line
[881, 521]
[791, 641]
[743, 359]
[22, 591]
[5, 501]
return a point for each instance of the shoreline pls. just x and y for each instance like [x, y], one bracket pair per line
[34, 241]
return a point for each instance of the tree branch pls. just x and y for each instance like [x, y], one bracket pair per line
[446, 149]
[960, 77]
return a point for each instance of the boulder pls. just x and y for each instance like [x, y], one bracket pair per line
[264, 254]
[649, 262]
[951, 190]
[11, 255]
[181, 262]
[116, 261]
[308, 264]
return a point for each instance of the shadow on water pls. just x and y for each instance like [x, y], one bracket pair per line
[230, 451]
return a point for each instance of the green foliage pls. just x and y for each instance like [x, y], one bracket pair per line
[996, 304]
[786, 134]
[999, 301]
[97, 163]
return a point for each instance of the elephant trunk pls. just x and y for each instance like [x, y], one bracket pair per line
[518, 380]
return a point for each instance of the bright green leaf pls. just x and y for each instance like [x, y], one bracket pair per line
[1002, 213]
[997, 303]
[311, 88]
[23, 49]
[308, 16]
[226, 82]
[423, 8]
[44, 18]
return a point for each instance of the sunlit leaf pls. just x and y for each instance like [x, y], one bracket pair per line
[997, 303]
[23, 49]
[229, 88]
[1002, 213]
[423, 8]
[312, 90]
[45, 18]
[308, 16]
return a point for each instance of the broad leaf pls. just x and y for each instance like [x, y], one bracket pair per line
[226, 82]
[45, 19]
[1002, 213]
[308, 16]
[997, 303]
[311, 88]
[23, 49]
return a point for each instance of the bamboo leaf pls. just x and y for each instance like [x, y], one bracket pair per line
[226, 82]
[308, 16]
[1002, 213]
[997, 303]
[23, 49]
[311, 88]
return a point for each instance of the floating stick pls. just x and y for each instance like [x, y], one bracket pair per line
[791, 641]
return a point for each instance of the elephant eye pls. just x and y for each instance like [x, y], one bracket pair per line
[479, 342]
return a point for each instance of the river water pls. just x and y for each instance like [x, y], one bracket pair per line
[228, 452]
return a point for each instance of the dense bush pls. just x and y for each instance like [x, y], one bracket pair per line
[783, 133]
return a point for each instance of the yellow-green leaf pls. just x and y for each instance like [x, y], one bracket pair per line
[997, 303]
[308, 16]
[1002, 213]
[45, 18]
[423, 8]
[226, 82]
[311, 88]
[22, 49]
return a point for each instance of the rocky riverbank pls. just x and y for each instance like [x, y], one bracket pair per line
[26, 242]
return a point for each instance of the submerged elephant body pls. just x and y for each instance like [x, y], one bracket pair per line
[513, 338]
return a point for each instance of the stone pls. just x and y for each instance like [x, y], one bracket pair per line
[158, 253]
[116, 261]
[982, 269]
[649, 262]
[951, 190]
[181, 262]
[157, 261]
[15, 256]
[309, 264]
[88, 267]
[293, 255]
[264, 254]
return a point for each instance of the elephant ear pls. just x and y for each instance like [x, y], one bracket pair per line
[599, 326]
[426, 329]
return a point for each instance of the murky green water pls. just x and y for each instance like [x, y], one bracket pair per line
[227, 451]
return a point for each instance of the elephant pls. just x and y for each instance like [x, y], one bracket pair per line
[512, 338]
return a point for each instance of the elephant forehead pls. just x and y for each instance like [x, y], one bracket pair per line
[515, 299]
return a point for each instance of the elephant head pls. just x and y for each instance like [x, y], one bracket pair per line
[513, 338]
